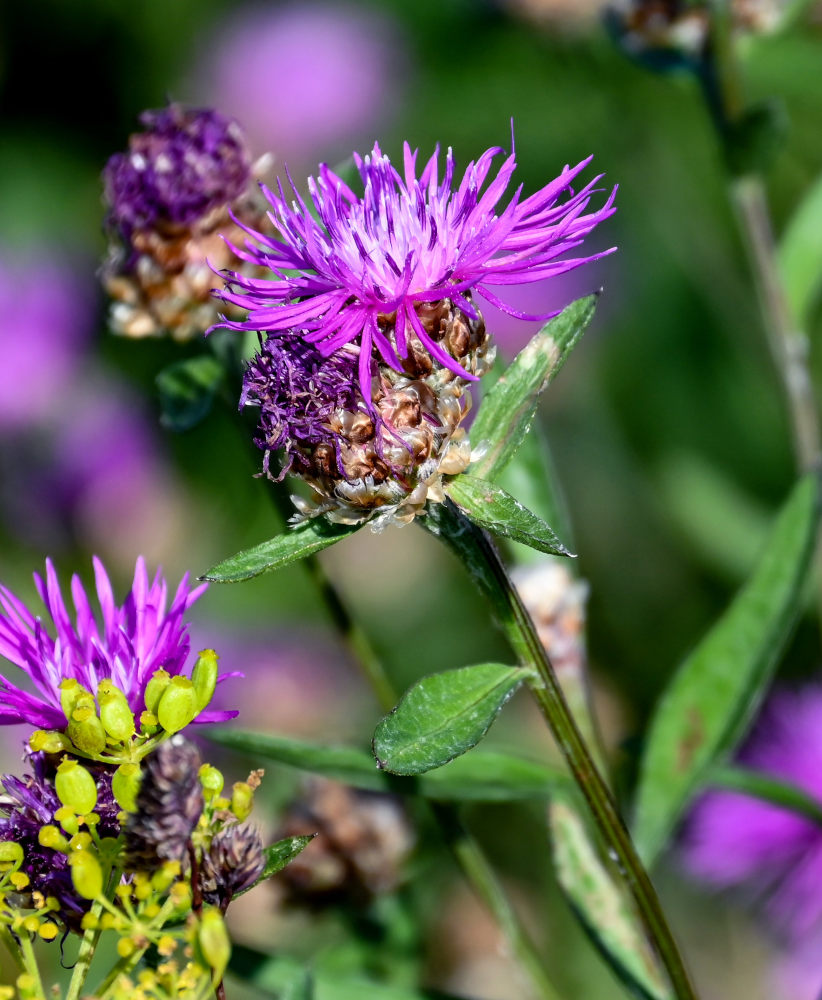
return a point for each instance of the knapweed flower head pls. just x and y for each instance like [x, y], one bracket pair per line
[168, 199]
[370, 314]
[104, 679]
[768, 853]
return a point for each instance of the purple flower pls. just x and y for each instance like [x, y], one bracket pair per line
[127, 646]
[343, 65]
[366, 264]
[187, 162]
[773, 854]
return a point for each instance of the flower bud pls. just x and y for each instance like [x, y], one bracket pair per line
[11, 855]
[115, 714]
[242, 800]
[86, 874]
[178, 705]
[48, 742]
[213, 941]
[50, 836]
[125, 783]
[67, 818]
[85, 730]
[71, 693]
[212, 780]
[75, 787]
[204, 677]
[160, 680]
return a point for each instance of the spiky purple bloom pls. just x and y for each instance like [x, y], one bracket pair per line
[774, 855]
[409, 241]
[187, 162]
[127, 645]
[29, 803]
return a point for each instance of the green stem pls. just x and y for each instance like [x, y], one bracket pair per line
[122, 968]
[12, 947]
[30, 963]
[483, 561]
[88, 944]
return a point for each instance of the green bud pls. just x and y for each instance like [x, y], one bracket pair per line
[204, 677]
[85, 730]
[178, 705]
[67, 818]
[75, 787]
[212, 937]
[11, 855]
[116, 716]
[86, 874]
[71, 693]
[212, 780]
[160, 680]
[242, 800]
[50, 836]
[125, 783]
[48, 742]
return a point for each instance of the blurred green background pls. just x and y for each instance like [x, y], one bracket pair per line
[667, 424]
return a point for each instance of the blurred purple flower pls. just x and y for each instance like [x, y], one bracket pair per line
[774, 855]
[128, 644]
[304, 78]
[46, 316]
[408, 243]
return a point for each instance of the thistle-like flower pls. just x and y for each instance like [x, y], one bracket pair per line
[733, 841]
[373, 331]
[233, 862]
[130, 659]
[169, 197]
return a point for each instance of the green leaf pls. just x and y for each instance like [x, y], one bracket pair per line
[492, 508]
[800, 255]
[278, 855]
[715, 692]
[482, 776]
[276, 974]
[772, 790]
[602, 906]
[187, 390]
[508, 409]
[301, 987]
[442, 716]
[292, 545]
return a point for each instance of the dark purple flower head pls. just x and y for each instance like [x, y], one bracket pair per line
[187, 162]
[407, 243]
[126, 645]
[735, 841]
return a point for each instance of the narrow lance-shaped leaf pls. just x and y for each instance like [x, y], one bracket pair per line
[800, 255]
[292, 545]
[791, 797]
[442, 716]
[481, 776]
[508, 409]
[187, 390]
[602, 906]
[498, 512]
[715, 692]
[278, 855]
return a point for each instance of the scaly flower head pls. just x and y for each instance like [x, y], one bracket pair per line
[360, 272]
[131, 651]
[736, 841]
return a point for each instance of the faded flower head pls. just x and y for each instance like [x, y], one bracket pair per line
[169, 198]
[232, 863]
[373, 331]
[121, 651]
[773, 855]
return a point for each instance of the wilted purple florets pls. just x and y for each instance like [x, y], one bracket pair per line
[187, 162]
[773, 854]
[368, 265]
[127, 645]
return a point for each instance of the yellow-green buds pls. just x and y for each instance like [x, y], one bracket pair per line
[76, 787]
[178, 705]
[204, 677]
[160, 680]
[50, 836]
[115, 714]
[11, 855]
[48, 742]
[86, 874]
[85, 730]
[72, 693]
[125, 783]
[242, 800]
[213, 941]
[212, 781]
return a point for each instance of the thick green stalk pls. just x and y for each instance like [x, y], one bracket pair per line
[88, 943]
[30, 962]
[484, 563]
